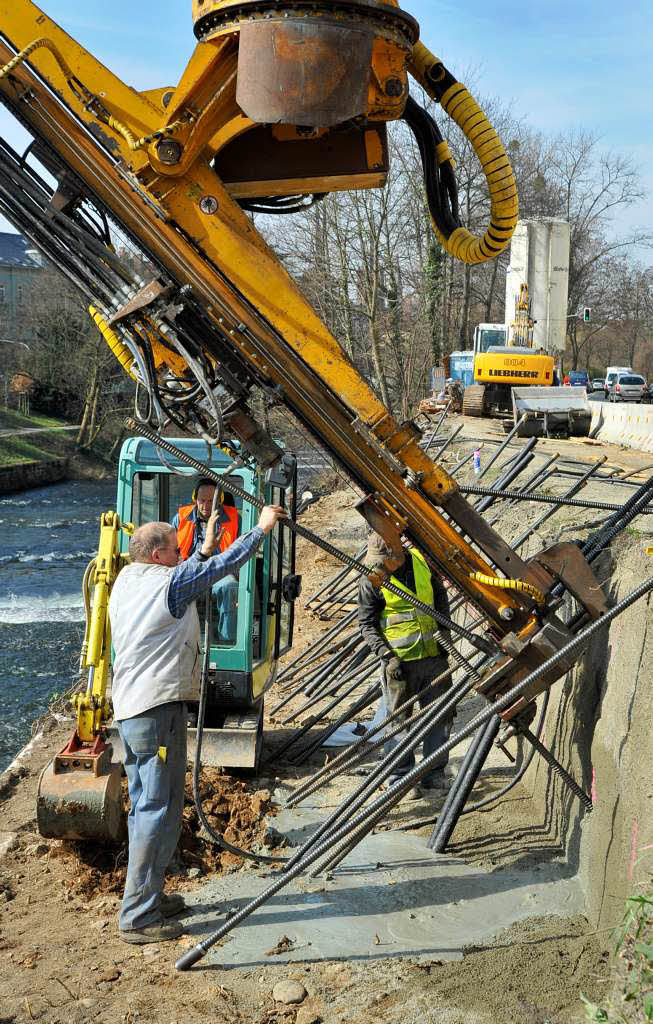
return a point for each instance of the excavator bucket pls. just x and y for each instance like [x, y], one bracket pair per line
[80, 795]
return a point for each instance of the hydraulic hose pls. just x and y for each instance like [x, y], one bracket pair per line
[454, 98]
[215, 837]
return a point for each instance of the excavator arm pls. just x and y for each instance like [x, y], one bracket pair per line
[79, 792]
[280, 103]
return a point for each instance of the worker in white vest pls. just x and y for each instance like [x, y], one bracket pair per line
[155, 633]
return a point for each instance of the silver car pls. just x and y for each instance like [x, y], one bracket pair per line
[626, 387]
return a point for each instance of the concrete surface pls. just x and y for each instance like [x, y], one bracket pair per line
[600, 725]
[390, 897]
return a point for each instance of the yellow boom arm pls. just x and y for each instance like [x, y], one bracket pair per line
[279, 99]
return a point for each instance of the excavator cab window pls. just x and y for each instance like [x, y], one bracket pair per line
[491, 338]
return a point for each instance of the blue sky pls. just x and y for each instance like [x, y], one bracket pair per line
[583, 63]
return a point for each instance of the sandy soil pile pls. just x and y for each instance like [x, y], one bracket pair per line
[234, 808]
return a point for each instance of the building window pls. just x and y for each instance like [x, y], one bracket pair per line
[19, 294]
[2, 294]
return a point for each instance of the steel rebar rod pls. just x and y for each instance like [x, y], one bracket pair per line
[363, 702]
[313, 650]
[362, 748]
[354, 672]
[300, 687]
[502, 446]
[437, 426]
[431, 715]
[443, 447]
[574, 489]
[342, 587]
[557, 768]
[536, 479]
[547, 499]
[507, 477]
[359, 827]
[310, 722]
[368, 818]
[464, 782]
[334, 579]
[353, 641]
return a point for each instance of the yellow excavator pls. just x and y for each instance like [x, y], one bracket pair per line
[281, 102]
[501, 363]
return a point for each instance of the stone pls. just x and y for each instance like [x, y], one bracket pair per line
[289, 992]
[273, 837]
[194, 872]
[8, 842]
[111, 975]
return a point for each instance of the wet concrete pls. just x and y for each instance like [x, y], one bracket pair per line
[390, 897]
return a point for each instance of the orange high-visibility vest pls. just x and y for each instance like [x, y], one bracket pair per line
[187, 528]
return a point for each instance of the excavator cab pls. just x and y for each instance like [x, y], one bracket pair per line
[247, 622]
[250, 618]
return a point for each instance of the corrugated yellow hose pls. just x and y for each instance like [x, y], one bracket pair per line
[519, 585]
[441, 86]
[118, 347]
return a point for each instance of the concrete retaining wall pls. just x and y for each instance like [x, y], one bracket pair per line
[624, 423]
[600, 726]
[32, 474]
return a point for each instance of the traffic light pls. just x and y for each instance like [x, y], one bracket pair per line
[587, 314]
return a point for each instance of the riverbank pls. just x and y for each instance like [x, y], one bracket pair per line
[37, 450]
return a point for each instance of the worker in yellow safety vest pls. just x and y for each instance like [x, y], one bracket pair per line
[405, 640]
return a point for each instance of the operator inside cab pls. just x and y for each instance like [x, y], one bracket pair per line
[190, 524]
[190, 520]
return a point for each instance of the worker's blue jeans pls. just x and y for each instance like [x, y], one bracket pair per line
[155, 763]
[417, 677]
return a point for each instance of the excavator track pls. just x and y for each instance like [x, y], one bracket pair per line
[474, 400]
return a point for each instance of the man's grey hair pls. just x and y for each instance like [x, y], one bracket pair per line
[148, 537]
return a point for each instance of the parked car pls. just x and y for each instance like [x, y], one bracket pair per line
[598, 384]
[611, 376]
[579, 378]
[627, 387]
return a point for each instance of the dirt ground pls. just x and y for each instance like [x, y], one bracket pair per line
[63, 961]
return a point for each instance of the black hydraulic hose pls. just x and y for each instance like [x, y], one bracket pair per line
[356, 829]
[215, 837]
[519, 774]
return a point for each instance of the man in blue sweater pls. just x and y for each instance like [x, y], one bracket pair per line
[155, 632]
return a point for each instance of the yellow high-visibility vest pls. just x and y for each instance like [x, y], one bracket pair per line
[409, 632]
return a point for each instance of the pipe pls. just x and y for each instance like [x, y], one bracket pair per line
[470, 770]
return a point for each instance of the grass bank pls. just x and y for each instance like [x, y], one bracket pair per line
[17, 447]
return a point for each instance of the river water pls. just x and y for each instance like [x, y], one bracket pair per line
[47, 537]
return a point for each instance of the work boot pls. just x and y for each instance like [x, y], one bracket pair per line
[172, 903]
[161, 932]
[436, 783]
[413, 794]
